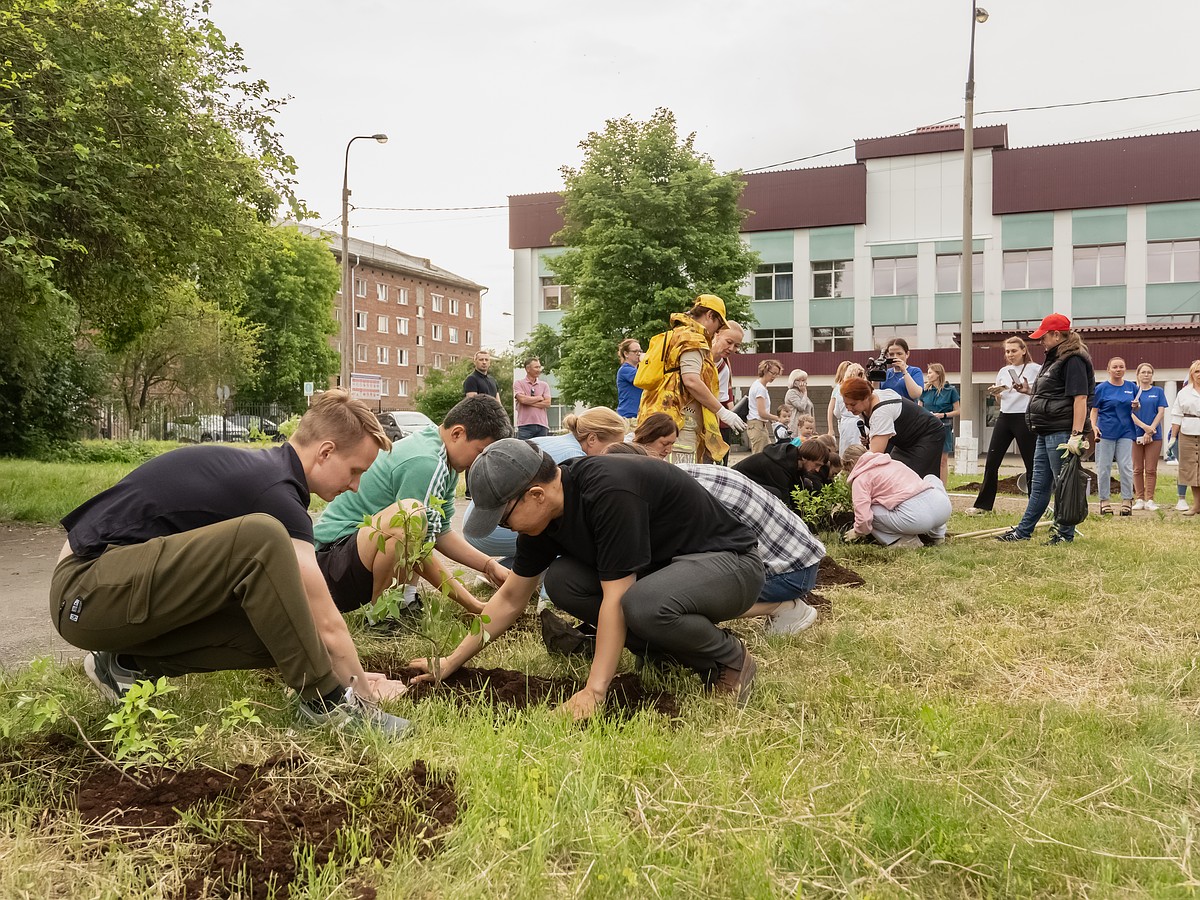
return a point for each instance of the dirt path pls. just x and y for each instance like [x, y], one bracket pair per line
[27, 555]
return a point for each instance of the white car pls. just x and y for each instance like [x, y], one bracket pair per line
[399, 423]
[202, 429]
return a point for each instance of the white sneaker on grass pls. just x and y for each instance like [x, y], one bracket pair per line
[792, 617]
[975, 511]
[1150, 505]
[1182, 505]
[1139, 504]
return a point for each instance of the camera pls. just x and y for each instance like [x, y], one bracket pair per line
[877, 368]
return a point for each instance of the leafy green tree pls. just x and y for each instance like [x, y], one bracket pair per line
[543, 342]
[135, 153]
[649, 224]
[290, 294]
[442, 389]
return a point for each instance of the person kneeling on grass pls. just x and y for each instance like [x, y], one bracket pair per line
[892, 503]
[202, 560]
[639, 551]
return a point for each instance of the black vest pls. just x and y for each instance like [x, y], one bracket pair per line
[1050, 409]
[914, 424]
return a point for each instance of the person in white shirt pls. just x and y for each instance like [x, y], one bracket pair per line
[760, 417]
[1185, 427]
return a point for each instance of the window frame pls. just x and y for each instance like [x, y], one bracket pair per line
[887, 268]
[831, 268]
[771, 275]
[1011, 256]
[842, 342]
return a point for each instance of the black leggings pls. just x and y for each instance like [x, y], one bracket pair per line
[1009, 427]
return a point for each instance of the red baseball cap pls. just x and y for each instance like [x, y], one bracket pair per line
[1052, 322]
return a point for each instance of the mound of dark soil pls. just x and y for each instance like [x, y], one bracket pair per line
[833, 574]
[504, 687]
[1003, 486]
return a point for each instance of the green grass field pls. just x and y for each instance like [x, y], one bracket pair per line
[979, 720]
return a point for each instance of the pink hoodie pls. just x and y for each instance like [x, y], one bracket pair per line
[877, 478]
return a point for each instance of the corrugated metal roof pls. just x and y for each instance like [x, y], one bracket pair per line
[1153, 168]
[930, 141]
[387, 258]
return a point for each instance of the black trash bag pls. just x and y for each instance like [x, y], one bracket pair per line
[1070, 492]
[564, 639]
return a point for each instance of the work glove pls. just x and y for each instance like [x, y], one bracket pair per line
[1076, 444]
[730, 419]
[851, 536]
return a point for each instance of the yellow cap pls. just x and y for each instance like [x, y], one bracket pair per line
[713, 302]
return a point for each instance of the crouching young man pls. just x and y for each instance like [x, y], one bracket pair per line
[639, 551]
[202, 559]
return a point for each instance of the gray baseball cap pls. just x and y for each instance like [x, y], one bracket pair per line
[497, 477]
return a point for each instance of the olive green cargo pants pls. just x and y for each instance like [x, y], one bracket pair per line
[225, 596]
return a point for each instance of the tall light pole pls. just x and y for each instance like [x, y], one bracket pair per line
[347, 341]
[969, 460]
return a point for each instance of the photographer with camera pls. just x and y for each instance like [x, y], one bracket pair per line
[895, 425]
[892, 371]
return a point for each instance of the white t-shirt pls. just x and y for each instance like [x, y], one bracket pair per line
[883, 419]
[758, 390]
[1014, 401]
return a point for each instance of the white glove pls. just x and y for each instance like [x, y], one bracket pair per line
[1076, 444]
[730, 419]
[851, 536]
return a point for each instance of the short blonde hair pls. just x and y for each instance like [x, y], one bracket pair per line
[851, 456]
[601, 421]
[336, 416]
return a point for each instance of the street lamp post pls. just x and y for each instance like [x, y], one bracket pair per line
[347, 341]
[968, 460]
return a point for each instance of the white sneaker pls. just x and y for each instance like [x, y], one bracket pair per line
[1150, 505]
[975, 511]
[1139, 504]
[1182, 505]
[792, 619]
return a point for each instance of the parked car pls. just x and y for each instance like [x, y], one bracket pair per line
[399, 423]
[256, 423]
[202, 429]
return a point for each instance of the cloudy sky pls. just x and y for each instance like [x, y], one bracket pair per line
[486, 99]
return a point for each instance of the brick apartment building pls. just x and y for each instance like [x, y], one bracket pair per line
[410, 316]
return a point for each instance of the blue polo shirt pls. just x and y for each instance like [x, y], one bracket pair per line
[1114, 407]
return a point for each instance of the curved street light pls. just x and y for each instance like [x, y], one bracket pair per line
[347, 342]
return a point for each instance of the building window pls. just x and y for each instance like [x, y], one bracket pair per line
[454, 306]
[773, 281]
[402, 296]
[381, 292]
[453, 359]
[420, 312]
[839, 338]
[470, 314]
[894, 277]
[360, 321]
[946, 332]
[776, 340]
[882, 335]
[436, 300]
[401, 356]
[381, 324]
[1182, 317]
[1099, 265]
[337, 312]
[1027, 270]
[382, 355]
[360, 352]
[401, 325]
[1099, 320]
[436, 335]
[452, 334]
[420, 340]
[385, 386]
[437, 360]
[555, 295]
[833, 278]
[1020, 326]
[949, 273]
[360, 287]
[402, 387]
[1170, 262]
[467, 339]
[420, 371]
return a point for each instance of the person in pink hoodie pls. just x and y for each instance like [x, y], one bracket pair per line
[894, 504]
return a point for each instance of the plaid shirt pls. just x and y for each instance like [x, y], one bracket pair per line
[784, 541]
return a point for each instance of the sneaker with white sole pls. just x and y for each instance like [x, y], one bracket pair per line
[907, 541]
[1139, 504]
[353, 711]
[975, 511]
[1150, 505]
[1182, 505]
[792, 617]
[107, 674]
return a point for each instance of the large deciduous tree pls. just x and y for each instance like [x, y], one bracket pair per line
[649, 224]
[290, 294]
[135, 153]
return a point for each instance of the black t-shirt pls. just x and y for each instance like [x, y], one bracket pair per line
[1078, 377]
[623, 515]
[480, 384]
[190, 488]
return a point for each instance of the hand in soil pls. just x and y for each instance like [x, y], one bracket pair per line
[380, 687]
[422, 664]
[583, 704]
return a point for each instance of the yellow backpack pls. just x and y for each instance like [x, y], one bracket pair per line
[653, 367]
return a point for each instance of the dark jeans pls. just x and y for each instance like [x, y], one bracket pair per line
[673, 611]
[525, 432]
[1047, 459]
[1009, 427]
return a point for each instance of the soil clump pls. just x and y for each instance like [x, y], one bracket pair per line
[833, 574]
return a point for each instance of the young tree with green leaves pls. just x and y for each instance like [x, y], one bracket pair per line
[649, 224]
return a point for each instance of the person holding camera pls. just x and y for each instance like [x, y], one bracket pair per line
[907, 381]
[1056, 415]
[895, 425]
[1014, 385]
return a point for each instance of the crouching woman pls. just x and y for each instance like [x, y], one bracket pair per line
[892, 503]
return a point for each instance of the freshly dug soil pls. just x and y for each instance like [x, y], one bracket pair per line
[270, 816]
[504, 687]
[817, 601]
[832, 574]
[1003, 486]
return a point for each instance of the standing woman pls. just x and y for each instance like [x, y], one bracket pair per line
[1112, 421]
[629, 395]
[843, 424]
[1185, 425]
[905, 380]
[1151, 404]
[942, 401]
[760, 417]
[1014, 384]
[797, 400]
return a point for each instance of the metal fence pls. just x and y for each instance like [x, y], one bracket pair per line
[188, 422]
